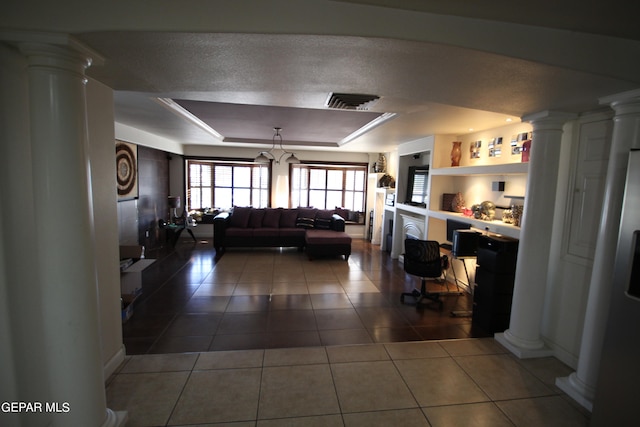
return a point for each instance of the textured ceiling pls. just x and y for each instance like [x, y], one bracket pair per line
[441, 66]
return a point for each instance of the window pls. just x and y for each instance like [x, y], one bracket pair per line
[327, 186]
[417, 185]
[224, 184]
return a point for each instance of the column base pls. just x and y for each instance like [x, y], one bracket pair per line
[522, 349]
[115, 419]
[577, 390]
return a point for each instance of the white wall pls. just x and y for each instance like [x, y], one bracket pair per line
[100, 115]
[140, 137]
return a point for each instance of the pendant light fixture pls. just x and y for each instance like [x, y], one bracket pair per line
[267, 156]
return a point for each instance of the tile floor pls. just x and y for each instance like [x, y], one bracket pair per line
[273, 298]
[468, 382]
[332, 346]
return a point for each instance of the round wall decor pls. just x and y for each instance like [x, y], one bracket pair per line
[126, 170]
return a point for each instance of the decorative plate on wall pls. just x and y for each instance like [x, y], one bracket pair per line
[127, 170]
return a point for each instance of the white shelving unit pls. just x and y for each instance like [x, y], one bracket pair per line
[475, 184]
[379, 215]
[475, 179]
[501, 169]
[414, 153]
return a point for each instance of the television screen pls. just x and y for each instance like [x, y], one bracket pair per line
[417, 185]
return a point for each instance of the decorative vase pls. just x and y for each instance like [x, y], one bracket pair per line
[516, 212]
[457, 205]
[381, 164]
[526, 150]
[456, 153]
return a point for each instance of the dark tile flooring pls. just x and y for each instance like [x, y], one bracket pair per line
[276, 298]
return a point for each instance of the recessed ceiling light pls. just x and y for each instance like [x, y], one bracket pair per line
[509, 119]
[470, 129]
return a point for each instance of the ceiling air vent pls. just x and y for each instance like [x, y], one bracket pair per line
[351, 101]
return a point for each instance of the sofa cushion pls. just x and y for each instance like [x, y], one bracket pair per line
[292, 232]
[271, 218]
[266, 232]
[307, 212]
[327, 237]
[256, 217]
[240, 217]
[288, 218]
[239, 232]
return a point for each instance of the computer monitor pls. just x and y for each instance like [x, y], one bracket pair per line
[453, 225]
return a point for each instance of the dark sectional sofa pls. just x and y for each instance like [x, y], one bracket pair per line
[321, 232]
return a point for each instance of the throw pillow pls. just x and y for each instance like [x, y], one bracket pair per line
[306, 217]
[343, 212]
[323, 219]
[305, 222]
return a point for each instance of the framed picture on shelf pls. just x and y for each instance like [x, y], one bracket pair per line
[475, 149]
[495, 147]
[516, 142]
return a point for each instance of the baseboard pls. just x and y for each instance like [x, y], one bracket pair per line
[112, 364]
[562, 355]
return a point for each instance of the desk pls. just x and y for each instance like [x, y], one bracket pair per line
[449, 253]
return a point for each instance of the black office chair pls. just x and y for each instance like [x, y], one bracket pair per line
[422, 258]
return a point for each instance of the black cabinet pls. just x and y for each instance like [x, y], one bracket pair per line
[495, 275]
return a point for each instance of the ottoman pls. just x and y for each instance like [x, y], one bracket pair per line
[327, 243]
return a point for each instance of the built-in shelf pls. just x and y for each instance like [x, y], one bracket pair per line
[496, 226]
[410, 208]
[378, 228]
[503, 169]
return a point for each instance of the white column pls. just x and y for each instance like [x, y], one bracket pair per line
[64, 259]
[523, 336]
[581, 384]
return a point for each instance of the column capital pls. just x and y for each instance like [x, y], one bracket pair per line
[549, 120]
[32, 43]
[55, 57]
[623, 103]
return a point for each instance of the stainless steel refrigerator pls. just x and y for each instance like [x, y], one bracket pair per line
[617, 400]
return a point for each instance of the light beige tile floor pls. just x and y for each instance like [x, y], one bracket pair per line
[472, 382]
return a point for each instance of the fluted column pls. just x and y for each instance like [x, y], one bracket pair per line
[64, 260]
[581, 384]
[523, 336]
